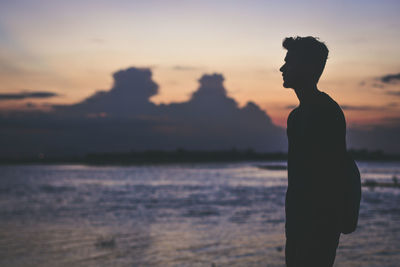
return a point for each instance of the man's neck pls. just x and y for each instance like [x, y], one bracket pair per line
[307, 94]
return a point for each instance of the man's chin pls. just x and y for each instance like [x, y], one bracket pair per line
[286, 85]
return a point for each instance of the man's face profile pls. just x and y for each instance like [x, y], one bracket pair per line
[292, 71]
[296, 72]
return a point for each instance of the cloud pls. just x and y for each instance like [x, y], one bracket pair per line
[382, 81]
[128, 97]
[25, 95]
[123, 118]
[390, 78]
[387, 83]
[213, 120]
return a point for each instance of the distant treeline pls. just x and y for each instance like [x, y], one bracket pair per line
[186, 156]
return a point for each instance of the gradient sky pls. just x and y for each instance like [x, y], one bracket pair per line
[72, 47]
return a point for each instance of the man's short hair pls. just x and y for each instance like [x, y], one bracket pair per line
[310, 51]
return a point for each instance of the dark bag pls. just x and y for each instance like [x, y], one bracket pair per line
[352, 196]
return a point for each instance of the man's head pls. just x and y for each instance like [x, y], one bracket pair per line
[304, 62]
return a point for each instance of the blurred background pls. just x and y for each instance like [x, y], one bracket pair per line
[153, 133]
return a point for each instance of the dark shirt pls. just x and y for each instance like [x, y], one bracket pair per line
[316, 132]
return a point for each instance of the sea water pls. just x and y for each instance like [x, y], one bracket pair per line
[220, 214]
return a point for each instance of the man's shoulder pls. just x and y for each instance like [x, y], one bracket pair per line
[293, 113]
[330, 109]
[328, 104]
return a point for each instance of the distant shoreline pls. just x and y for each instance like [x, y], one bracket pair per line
[181, 156]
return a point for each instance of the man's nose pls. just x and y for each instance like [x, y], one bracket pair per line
[281, 69]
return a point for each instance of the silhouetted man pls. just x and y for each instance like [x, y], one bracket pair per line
[316, 132]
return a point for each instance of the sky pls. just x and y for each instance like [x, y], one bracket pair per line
[61, 52]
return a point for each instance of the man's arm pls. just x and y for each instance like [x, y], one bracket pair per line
[325, 131]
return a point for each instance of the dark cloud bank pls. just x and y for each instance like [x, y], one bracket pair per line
[26, 95]
[123, 119]
[390, 78]
[388, 83]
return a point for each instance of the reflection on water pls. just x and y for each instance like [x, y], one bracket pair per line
[172, 215]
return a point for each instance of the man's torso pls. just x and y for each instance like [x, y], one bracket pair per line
[316, 135]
